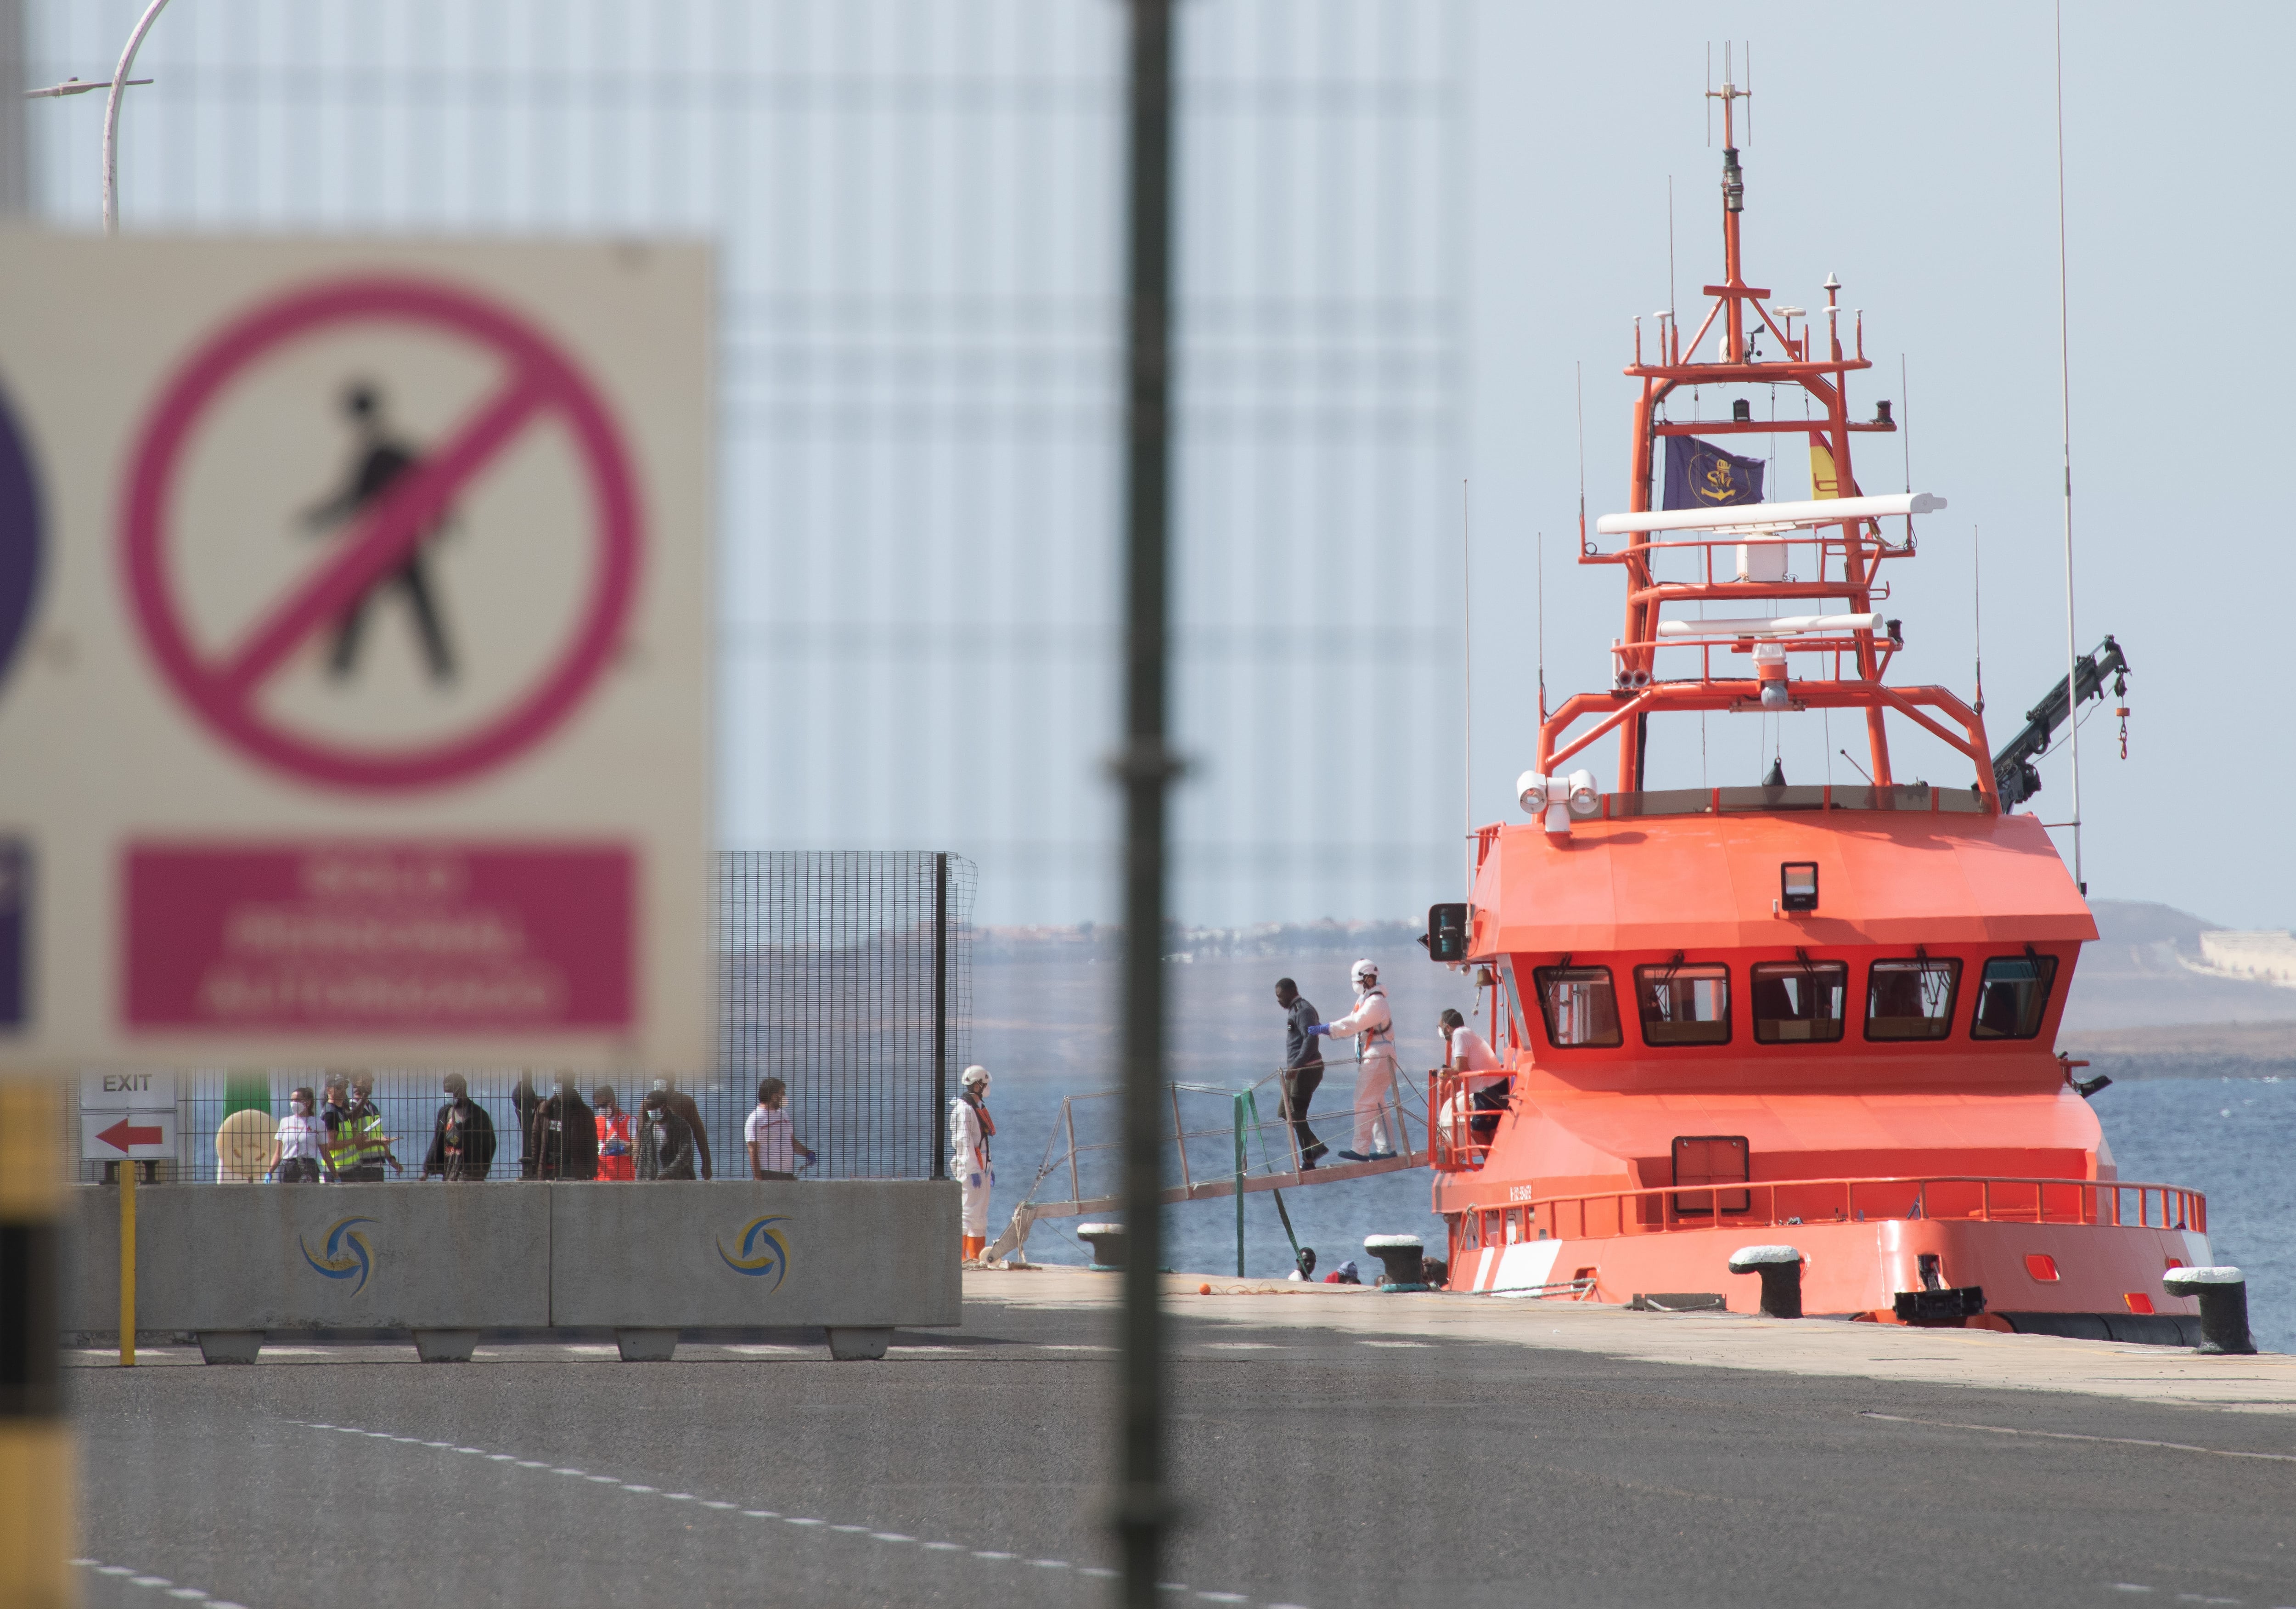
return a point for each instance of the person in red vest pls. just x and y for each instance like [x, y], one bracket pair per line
[617, 1143]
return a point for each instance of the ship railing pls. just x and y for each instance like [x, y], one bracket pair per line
[1735, 1204]
[1459, 1131]
[1219, 1141]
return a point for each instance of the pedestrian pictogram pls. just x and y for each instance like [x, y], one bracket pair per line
[380, 528]
[381, 460]
[20, 538]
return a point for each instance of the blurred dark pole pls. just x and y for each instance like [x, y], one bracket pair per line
[1147, 769]
[15, 154]
[940, 1016]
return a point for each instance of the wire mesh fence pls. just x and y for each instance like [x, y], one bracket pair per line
[848, 976]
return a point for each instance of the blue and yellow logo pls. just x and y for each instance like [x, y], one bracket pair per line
[756, 1260]
[349, 1256]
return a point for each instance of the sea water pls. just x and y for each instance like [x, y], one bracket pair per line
[2232, 1139]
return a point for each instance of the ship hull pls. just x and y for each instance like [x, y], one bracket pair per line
[2107, 1275]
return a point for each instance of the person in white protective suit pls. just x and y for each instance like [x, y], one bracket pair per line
[1371, 1026]
[969, 1129]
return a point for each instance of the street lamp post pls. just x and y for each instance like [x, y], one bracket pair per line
[112, 115]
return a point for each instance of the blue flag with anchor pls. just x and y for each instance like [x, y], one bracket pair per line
[1700, 474]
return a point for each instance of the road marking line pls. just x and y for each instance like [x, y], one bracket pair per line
[1098, 1572]
[2066, 1435]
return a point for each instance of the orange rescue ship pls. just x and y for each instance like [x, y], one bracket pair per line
[1819, 1017]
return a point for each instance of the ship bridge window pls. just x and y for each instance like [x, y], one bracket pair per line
[1798, 1002]
[2013, 996]
[1911, 999]
[1683, 1005]
[1579, 1004]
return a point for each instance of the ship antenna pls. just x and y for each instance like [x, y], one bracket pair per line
[1671, 311]
[1905, 423]
[1862, 771]
[1977, 608]
[1467, 665]
[1579, 382]
[2065, 396]
[1541, 628]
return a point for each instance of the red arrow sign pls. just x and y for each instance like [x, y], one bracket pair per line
[122, 1135]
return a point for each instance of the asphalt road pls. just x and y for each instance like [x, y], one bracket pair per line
[1315, 1469]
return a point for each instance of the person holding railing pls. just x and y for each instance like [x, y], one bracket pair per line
[1303, 1070]
[1372, 1025]
[1471, 1114]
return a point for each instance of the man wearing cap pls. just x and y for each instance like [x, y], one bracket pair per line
[970, 1126]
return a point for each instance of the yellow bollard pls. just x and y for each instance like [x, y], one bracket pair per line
[36, 1451]
[127, 1262]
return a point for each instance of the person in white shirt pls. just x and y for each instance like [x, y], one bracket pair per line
[970, 1126]
[296, 1147]
[1471, 1115]
[771, 1135]
[1373, 1027]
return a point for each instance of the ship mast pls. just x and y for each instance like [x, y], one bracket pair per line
[1848, 554]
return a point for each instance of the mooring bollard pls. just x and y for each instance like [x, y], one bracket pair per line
[1780, 1267]
[1402, 1259]
[1107, 1242]
[2223, 1293]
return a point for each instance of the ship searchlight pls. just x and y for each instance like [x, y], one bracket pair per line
[1558, 798]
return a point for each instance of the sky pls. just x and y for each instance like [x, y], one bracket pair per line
[1911, 152]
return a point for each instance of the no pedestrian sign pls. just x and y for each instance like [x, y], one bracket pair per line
[354, 653]
[386, 531]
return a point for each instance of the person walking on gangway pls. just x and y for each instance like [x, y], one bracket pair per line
[380, 461]
[1371, 1026]
[970, 1129]
[1303, 1070]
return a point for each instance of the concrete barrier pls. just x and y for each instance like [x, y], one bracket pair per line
[855, 1257]
[846, 1253]
[302, 1257]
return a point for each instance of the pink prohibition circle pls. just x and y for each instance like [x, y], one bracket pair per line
[568, 396]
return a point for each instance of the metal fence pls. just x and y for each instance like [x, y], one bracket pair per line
[847, 975]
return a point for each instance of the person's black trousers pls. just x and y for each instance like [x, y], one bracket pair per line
[1299, 1089]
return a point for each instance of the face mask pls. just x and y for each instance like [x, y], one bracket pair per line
[302, 1108]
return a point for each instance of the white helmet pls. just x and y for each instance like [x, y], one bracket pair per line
[974, 1074]
[1363, 971]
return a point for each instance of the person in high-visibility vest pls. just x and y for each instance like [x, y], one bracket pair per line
[618, 1158]
[370, 1147]
[970, 1126]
